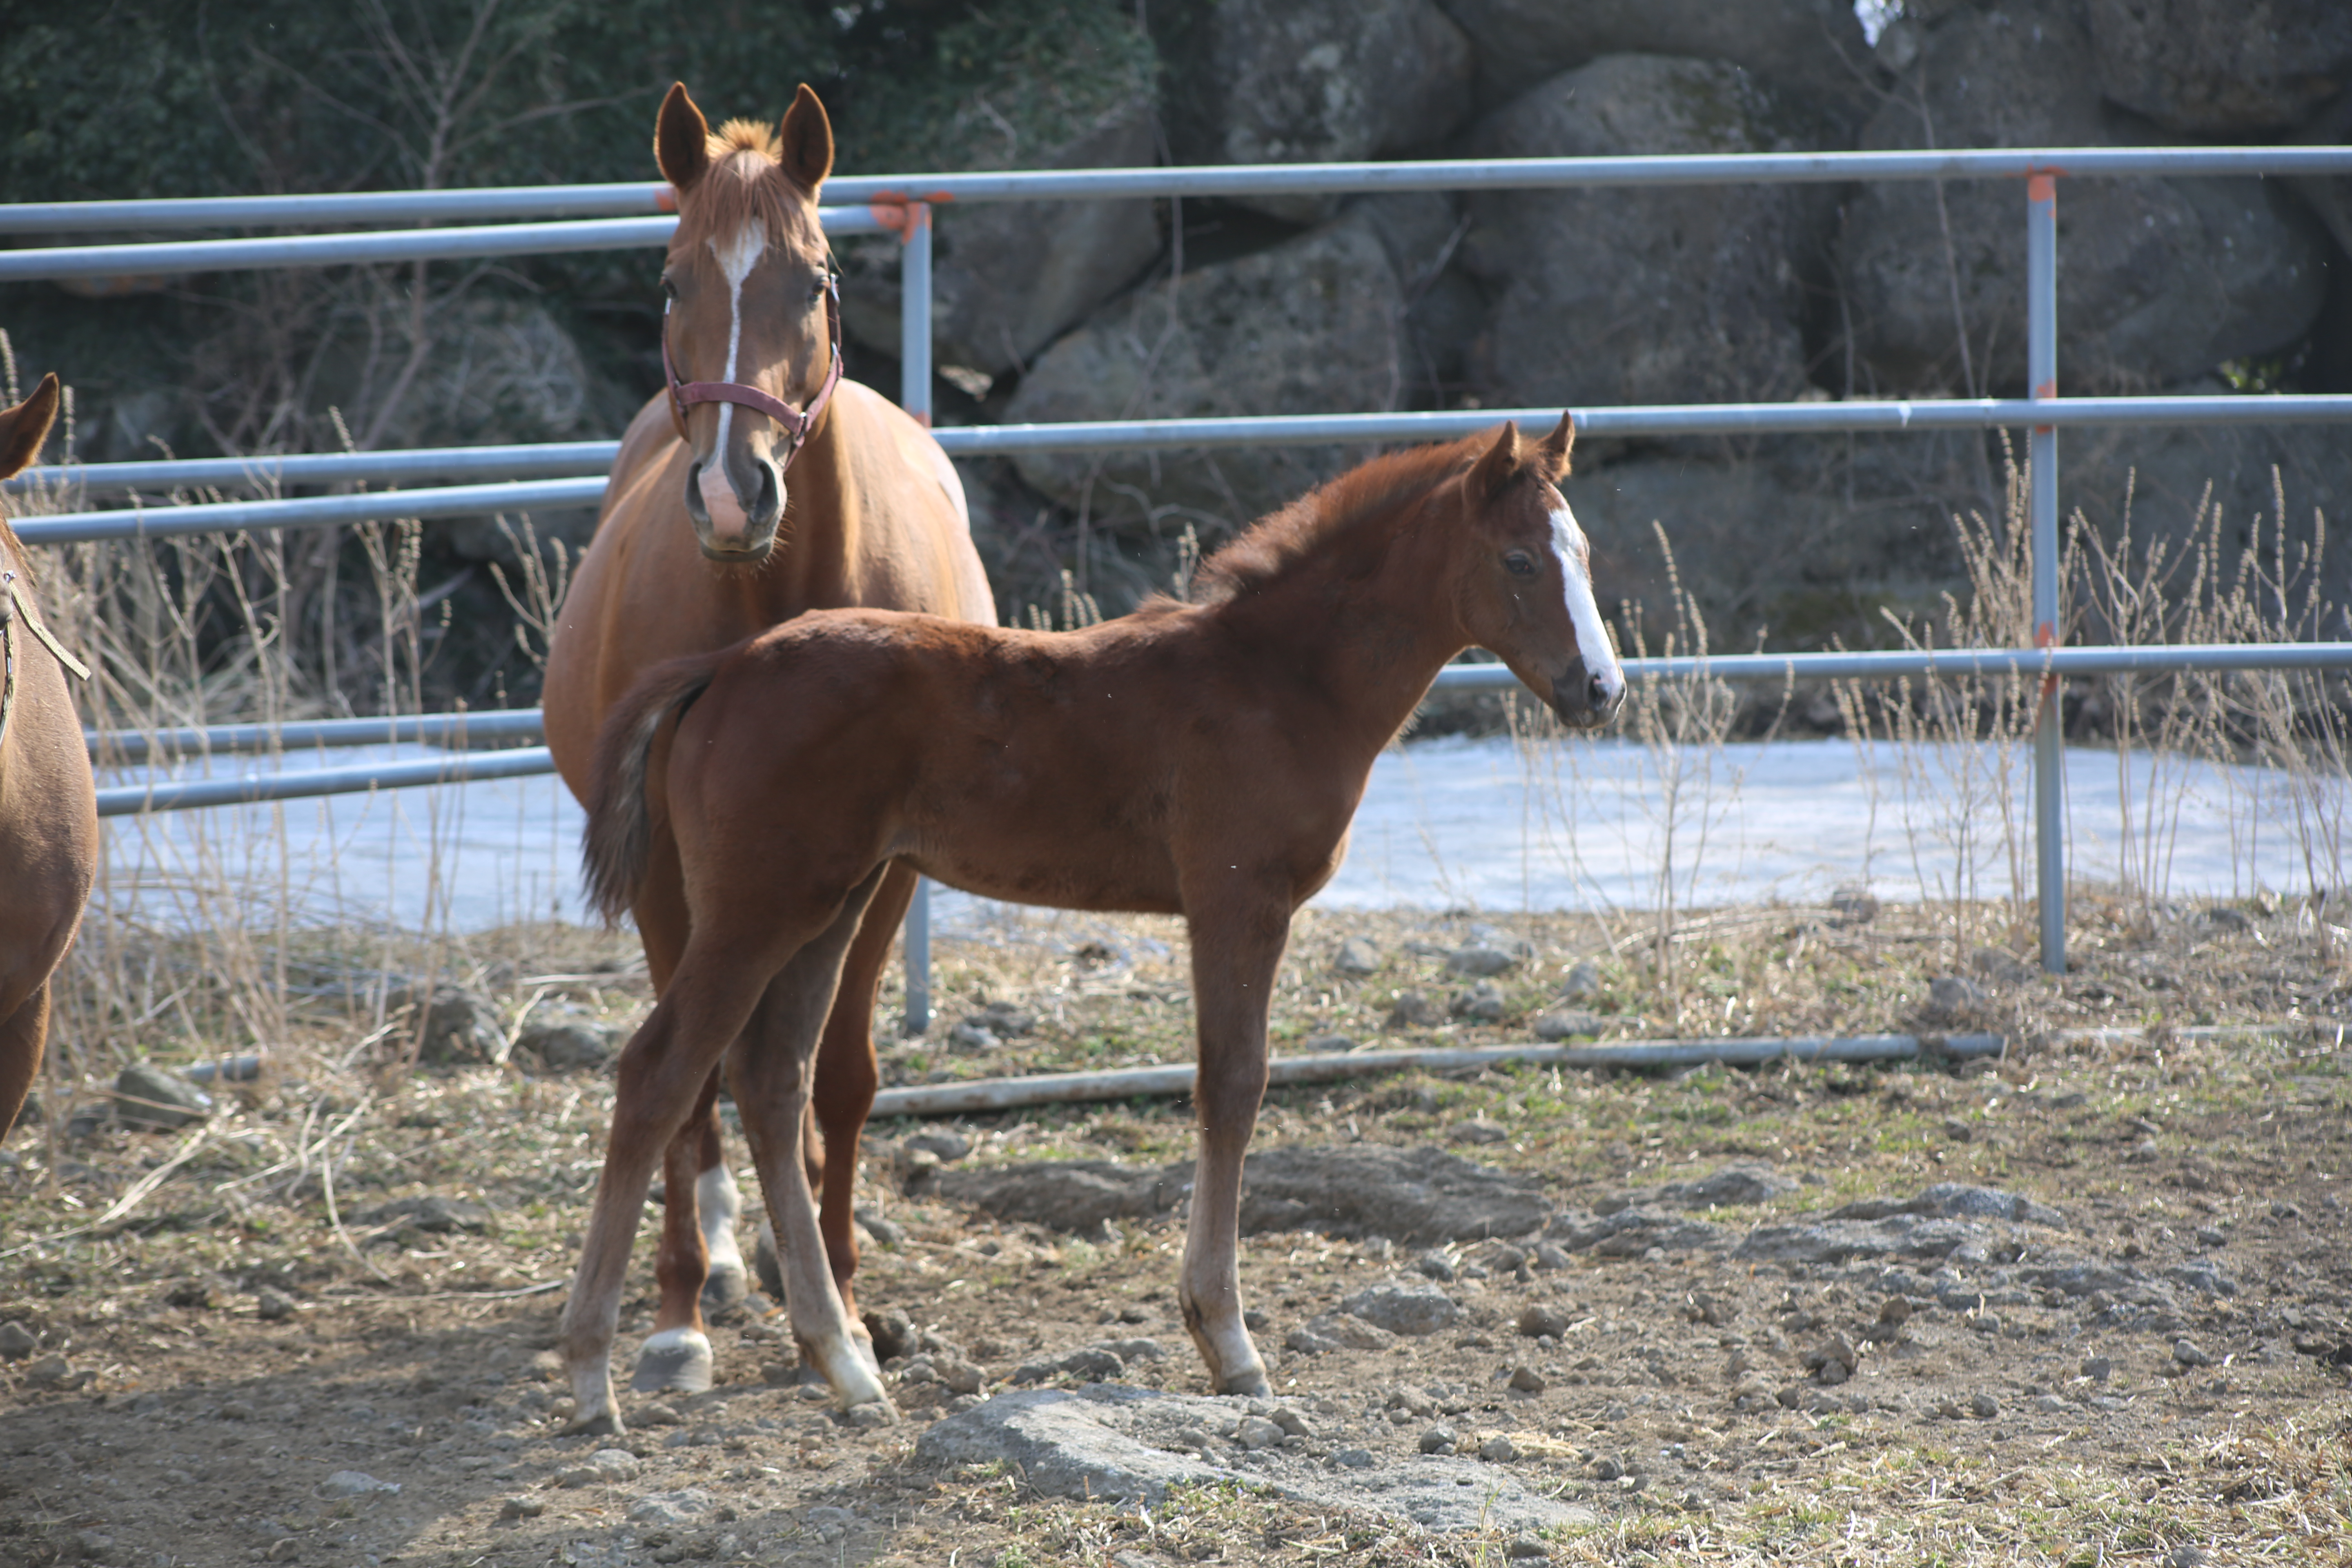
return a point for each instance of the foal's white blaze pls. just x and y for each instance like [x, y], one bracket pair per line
[1569, 544]
[736, 259]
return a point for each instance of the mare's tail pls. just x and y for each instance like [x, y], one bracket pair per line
[619, 834]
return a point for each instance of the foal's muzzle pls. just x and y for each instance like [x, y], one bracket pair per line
[1586, 699]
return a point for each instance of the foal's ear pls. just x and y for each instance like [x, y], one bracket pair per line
[1551, 456]
[24, 427]
[1494, 470]
[808, 140]
[681, 139]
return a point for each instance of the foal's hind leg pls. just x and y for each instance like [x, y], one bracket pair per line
[21, 1034]
[661, 1073]
[771, 1074]
[1235, 950]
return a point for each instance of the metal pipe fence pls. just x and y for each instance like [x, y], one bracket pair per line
[904, 204]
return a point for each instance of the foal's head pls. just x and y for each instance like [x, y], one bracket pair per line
[1525, 580]
[747, 282]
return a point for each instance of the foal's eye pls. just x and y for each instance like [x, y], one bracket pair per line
[1520, 564]
[669, 289]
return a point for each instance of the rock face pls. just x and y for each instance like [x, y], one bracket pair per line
[1299, 81]
[1645, 295]
[2159, 281]
[1309, 326]
[2216, 68]
[1813, 44]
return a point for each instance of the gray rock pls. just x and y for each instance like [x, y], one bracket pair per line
[1106, 1444]
[1309, 326]
[1536, 1320]
[685, 1506]
[355, 1483]
[947, 1147]
[1480, 961]
[17, 1342]
[1256, 1432]
[1743, 1182]
[1632, 1232]
[2188, 1353]
[1583, 982]
[2164, 279]
[571, 1043]
[432, 1212]
[2219, 70]
[1355, 958]
[1342, 1331]
[1526, 1379]
[1480, 1004]
[1312, 81]
[971, 1035]
[1983, 1407]
[1412, 1010]
[149, 1098]
[1568, 1024]
[1798, 43]
[1956, 1200]
[53, 1372]
[1403, 1307]
[1670, 295]
[1955, 999]
[1068, 1195]
[1093, 1365]
[455, 1028]
[273, 1306]
[1439, 1439]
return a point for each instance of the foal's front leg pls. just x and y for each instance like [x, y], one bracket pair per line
[1235, 950]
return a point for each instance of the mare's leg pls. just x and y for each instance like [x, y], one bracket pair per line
[772, 1075]
[846, 1076]
[21, 1034]
[662, 1072]
[1237, 947]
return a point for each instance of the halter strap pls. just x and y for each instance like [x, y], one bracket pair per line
[797, 424]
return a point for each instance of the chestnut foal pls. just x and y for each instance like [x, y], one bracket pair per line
[760, 484]
[48, 810]
[1203, 759]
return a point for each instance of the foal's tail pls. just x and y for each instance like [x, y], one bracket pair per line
[619, 834]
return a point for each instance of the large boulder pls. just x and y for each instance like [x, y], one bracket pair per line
[2220, 68]
[1815, 46]
[1309, 326]
[1310, 81]
[1653, 294]
[2159, 281]
[1008, 277]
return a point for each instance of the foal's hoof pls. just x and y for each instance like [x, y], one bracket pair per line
[724, 1290]
[1249, 1385]
[676, 1361]
[603, 1424]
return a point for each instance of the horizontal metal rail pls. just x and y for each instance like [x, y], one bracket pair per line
[1949, 664]
[490, 727]
[172, 258]
[323, 207]
[1260, 179]
[539, 460]
[981, 440]
[309, 511]
[189, 795]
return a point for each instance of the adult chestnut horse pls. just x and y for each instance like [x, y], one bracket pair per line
[758, 486]
[48, 810]
[1203, 759]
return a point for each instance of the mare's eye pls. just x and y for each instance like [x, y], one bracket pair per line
[1518, 564]
[669, 289]
[817, 290]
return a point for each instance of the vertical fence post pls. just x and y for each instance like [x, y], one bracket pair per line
[2041, 376]
[915, 397]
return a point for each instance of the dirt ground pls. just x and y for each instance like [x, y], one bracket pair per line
[226, 1348]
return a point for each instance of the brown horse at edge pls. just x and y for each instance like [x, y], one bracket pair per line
[48, 807]
[1203, 758]
[702, 543]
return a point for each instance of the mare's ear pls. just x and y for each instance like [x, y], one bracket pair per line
[24, 427]
[681, 139]
[1552, 455]
[1494, 470]
[808, 140]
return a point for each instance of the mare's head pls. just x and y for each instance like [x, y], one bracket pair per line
[1524, 578]
[747, 282]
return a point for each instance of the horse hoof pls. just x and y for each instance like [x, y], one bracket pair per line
[1250, 1384]
[676, 1361]
[604, 1424]
[724, 1290]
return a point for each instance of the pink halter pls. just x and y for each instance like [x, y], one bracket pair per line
[797, 424]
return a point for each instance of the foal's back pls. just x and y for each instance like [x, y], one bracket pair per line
[1099, 769]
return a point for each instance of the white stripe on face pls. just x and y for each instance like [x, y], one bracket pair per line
[736, 261]
[1568, 546]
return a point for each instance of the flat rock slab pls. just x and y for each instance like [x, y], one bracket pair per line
[1420, 1197]
[1131, 1444]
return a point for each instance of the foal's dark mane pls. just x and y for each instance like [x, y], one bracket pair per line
[1330, 517]
[746, 179]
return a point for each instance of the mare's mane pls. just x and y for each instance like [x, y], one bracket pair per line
[745, 180]
[1334, 514]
